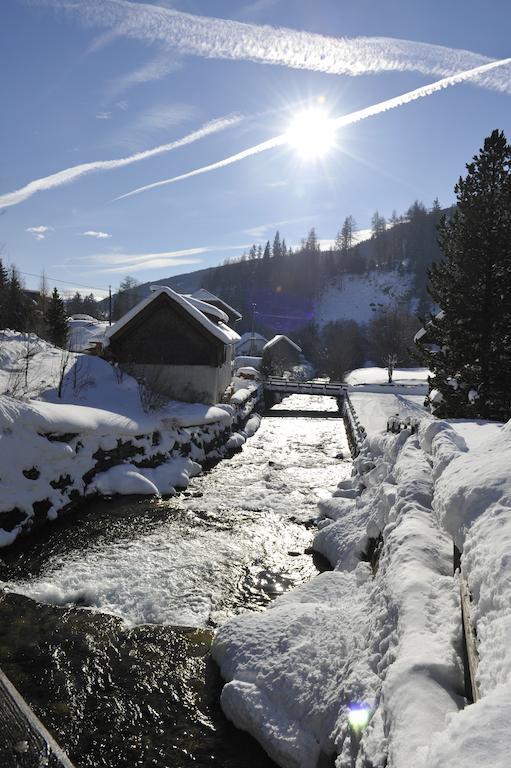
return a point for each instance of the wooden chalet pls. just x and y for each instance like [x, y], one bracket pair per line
[280, 354]
[178, 346]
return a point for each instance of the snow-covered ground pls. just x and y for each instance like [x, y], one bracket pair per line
[83, 332]
[375, 400]
[364, 663]
[358, 297]
[373, 377]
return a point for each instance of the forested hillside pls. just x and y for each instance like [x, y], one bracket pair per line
[353, 302]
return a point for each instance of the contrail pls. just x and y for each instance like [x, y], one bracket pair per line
[211, 37]
[68, 175]
[270, 144]
[339, 122]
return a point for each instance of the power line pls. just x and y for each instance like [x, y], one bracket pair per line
[65, 282]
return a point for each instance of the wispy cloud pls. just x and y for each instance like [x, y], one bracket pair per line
[277, 184]
[340, 122]
[104, 116]
[227, 39]
[138, 262]
[147, 261]
[262, 230]
[158, 67]
[152, 122]
[40, 232]
[96, 234]
[68, 175]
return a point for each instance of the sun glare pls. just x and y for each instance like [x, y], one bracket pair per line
[311, 134]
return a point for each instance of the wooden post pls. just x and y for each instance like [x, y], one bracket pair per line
[470, 653]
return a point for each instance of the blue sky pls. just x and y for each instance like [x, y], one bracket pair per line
[99, 80]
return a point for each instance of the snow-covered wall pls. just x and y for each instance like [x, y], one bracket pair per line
[52, 455]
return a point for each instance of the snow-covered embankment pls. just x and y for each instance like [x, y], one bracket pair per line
[53, 454]
[379, 638]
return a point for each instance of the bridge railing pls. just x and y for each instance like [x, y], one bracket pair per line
[354, 429]
[280, 384]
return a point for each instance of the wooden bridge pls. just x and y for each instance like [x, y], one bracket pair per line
[314, 387]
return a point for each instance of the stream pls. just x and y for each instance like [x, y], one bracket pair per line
[107, 618]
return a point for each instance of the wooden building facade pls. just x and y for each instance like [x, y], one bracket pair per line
[174, 347]
[280, 354]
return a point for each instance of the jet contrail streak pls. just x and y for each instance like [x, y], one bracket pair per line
[216, 38]
[71, 174]
[339, 122]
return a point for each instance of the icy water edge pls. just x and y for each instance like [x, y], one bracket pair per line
[106, 621]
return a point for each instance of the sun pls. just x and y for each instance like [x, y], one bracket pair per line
[311, 134]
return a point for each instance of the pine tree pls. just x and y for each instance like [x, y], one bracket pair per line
[277, 246]
[127, 295]
[17, 311]
[4, 294]
[472, 367]
[311, 244]
[347, 235]
[56, 320]
[378, 229]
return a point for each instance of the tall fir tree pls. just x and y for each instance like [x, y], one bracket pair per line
[56, 320]
[17, 309]
[347, 235]
[472, 286]
[276, 250]
[4, 295]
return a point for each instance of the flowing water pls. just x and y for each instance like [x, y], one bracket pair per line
[106, 620]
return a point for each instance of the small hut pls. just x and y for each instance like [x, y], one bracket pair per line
[178, 346]
[251, 344]
[280, 355]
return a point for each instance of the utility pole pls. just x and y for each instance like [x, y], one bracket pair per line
[109, 305]
[252, 340]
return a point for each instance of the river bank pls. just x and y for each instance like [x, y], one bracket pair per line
[121, 593]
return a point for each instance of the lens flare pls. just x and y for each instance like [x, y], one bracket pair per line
[311, 134]
[359, 717]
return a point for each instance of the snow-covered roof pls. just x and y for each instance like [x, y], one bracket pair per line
[422, 331]
[220, 330]
[88, 318]
[204, 295]
[208, 309]
[277, 339]
[249, 336]
[247, 370]
[84, 334]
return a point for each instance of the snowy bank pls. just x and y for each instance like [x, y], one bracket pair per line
[364, 664]
[53, 455]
